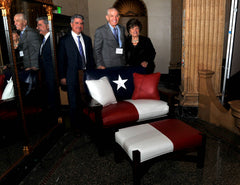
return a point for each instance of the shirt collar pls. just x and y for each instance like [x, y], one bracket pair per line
[23, 30]
[75, 35]
[112, 27]
[47, 35]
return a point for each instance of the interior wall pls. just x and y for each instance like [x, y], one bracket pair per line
[71, 7]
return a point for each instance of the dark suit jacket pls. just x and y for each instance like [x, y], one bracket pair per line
[48, 72]
[69, 60]
[29, 43]
[105, 46]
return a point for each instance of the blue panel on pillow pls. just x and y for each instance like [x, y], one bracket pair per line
[126, 74]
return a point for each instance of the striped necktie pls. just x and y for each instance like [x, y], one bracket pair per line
[81, 51]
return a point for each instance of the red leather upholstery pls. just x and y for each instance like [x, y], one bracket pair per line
[182, 135]
[10, 114]
[121, 112]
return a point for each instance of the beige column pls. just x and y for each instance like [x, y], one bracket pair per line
[202, 47]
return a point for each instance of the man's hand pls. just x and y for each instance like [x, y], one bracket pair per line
[63, 81]
[101, 67]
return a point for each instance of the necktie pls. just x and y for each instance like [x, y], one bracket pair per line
[81, 52]
[43, 40]
[115, 33]
[42, 45]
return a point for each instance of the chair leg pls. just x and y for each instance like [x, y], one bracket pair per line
[136, 168]
[201, 153]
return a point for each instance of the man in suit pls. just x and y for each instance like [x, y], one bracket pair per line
[29, 44]
[47, 66]
[109, 42]
[74, 53]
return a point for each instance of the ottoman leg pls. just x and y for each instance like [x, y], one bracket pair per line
[136, 168]
[201, 153]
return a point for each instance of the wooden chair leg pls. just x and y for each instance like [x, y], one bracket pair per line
[201, 153]
[136, 168]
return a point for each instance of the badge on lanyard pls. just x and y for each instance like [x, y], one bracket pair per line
[119, 51]
[21, 53]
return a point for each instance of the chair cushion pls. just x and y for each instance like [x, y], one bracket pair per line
[121, 112]
[116, 76]
[158, 138]
[145, 138]
[150, 109]
[182, 135]
[11, 114]
[131, 111]
[146, 86]
[101, 91]
[8, 91]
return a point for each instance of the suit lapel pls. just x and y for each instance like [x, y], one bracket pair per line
[109, 31]
[73, 43]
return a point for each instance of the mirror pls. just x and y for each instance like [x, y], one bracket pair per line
[28, 117]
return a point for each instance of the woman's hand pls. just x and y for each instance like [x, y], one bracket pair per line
[144, 64]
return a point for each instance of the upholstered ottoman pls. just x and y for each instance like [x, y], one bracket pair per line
[143, 143]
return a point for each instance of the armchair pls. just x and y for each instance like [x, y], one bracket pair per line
[120, 97]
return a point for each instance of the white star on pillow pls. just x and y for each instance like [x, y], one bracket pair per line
[120, 82]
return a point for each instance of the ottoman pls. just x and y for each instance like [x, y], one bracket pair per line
[147, 142]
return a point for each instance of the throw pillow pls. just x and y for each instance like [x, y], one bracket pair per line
[9, 90]
[146, 86]
[101, 91]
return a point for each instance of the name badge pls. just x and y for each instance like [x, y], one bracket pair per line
[119, 51]
[21, 53]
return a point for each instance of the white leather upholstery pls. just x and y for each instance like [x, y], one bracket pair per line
[145, 138]
[150, 109]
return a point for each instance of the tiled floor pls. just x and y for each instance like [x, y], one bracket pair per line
[75, 161]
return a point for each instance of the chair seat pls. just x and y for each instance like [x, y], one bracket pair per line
[128, 111]
[11, 114]
[158, 138]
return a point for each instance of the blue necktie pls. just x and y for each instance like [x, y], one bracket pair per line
[115, 33]
[43, 40]
[81, 52]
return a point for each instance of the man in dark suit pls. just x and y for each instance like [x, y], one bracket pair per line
[74, 53]
[28, 47]
[109, 42]
[47, 66]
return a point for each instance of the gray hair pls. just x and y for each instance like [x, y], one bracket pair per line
[77, 16]
[23, 16]
[45, 19]
[111, 8]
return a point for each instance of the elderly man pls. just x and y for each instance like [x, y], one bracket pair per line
[28, 47]
[29, 43]
[74, 53]
[109, 42]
